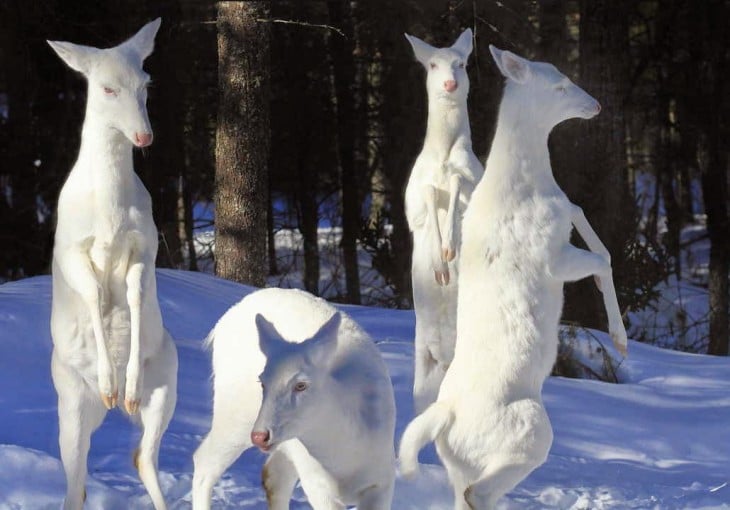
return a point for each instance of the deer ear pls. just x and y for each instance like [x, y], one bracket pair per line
[76, 56]
[324, 343]
[510, 65]
[421, 50]
[270, 341]
[464, 44]
[143, 42]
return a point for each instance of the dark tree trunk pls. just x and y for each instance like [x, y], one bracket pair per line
[344, 78]
[708, 53]
[24, 253]
[601, 186]
[186, 223]
[242, 141]
[553, 32]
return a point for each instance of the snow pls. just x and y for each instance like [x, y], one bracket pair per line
[659, 440]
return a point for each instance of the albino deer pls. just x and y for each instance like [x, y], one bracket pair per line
[489, 424]
[108, 340]
[438, 191]
[309, 388]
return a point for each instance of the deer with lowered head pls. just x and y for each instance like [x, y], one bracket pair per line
[307, 386]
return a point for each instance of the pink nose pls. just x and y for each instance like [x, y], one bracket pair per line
[598, 107]
[260, 439]
[450, 85]
[142, 139]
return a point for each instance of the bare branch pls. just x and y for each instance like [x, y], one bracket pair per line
[303, 24]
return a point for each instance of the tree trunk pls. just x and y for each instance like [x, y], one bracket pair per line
[553, 33]
[708, 54]
[601, 185]
[242, 141]
[344, 78]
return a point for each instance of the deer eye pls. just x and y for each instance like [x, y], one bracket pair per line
[110, 91]
[433, 65]
[461, 65]
[300, 386]
[561, 89]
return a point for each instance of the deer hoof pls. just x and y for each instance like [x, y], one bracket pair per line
[620, 347]
[448, 254]
[442, 277]
[110, 401]
[131, 406]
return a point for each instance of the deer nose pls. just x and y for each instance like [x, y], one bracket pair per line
[598, 107]
[260, 439]
[142, 139]
[450, 85]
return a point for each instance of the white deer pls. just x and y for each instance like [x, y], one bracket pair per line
[304, 383]
[438, 191]
[108, 340]
[489, 423]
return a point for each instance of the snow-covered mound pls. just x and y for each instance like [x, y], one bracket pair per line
[658, 441]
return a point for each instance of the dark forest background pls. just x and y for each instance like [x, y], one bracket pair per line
[338, 117]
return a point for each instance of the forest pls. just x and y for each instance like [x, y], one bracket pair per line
[306, 116]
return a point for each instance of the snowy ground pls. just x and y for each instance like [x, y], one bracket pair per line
[658, 441]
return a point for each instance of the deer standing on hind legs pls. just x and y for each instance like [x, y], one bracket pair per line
[489, 423]
[109, 344]
[438, 191]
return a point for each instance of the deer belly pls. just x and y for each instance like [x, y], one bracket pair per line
[116, 325]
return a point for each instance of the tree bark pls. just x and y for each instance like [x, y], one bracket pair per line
[599, 177]
[344, 78]
[708, 56]
[242, 141]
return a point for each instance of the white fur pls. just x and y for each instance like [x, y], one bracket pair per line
[109, 342]
[336, 436]
[489, 424]
[438, 191]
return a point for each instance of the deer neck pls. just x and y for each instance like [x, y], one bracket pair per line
[106, 157]
[520, 145]
[447, 121]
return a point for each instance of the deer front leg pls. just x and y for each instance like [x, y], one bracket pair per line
[448, 246]
[604, 281]
[318, 484]
[76, 267]
[433, 236]
[135, 286]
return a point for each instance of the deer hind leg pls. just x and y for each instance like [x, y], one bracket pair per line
[376, 498]
[79, 414]
[426, 376]
[455, 470]
[279, 477]
[525, 448]
[159, 395]
[502, 476]
[76, 266]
